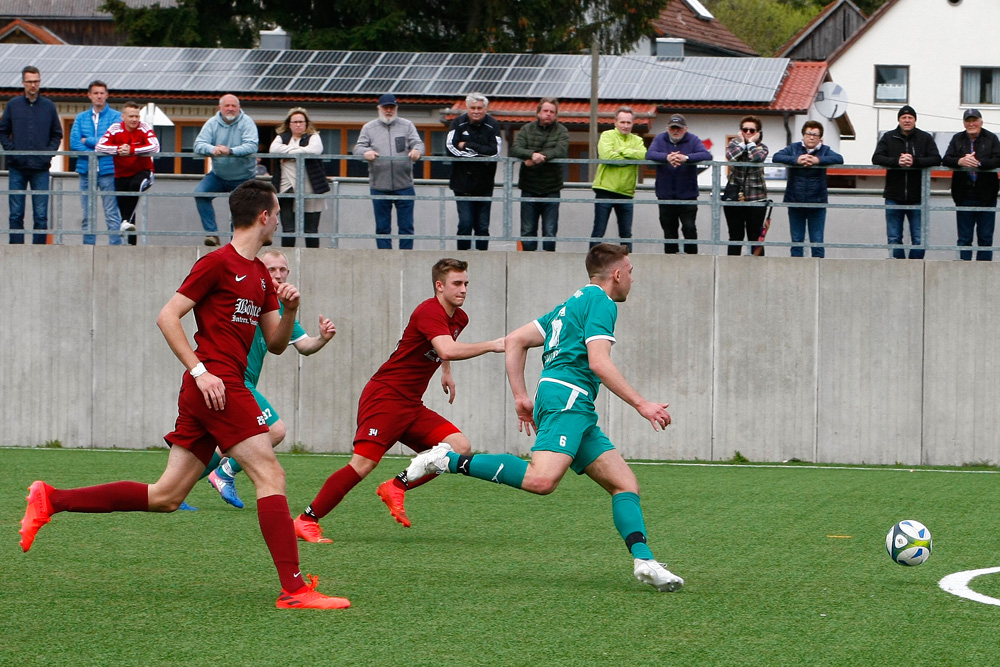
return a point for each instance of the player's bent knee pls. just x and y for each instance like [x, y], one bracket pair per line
[277, 431]
[542, 486]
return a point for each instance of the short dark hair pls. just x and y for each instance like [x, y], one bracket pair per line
[98, 83]
[548, 100]
[812, 125]
[30, 69]
[131, 105]
[752, 119]
[604, 255]
[445, 266]
[248, 200]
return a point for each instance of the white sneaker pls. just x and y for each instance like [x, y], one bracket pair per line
[127, 226]
[147, 183]
[653, 573]
[432, 462]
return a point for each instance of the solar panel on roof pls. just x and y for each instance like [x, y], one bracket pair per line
[362, 57]
[329, 57]
[295, 56]
[396, 58]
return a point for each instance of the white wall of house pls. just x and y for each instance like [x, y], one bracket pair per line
[935, 39]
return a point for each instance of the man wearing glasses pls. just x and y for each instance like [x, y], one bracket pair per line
[29, 123]
[807, 184]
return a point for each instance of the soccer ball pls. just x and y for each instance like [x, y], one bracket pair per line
[909, 542]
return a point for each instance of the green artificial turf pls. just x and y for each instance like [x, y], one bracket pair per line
[492, 576]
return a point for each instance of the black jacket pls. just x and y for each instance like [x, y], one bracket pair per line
[987, 148]
[474, 178]
[903, 185]
[314, 167]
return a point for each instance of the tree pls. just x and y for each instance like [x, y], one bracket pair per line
[198, 23]
[515, 26]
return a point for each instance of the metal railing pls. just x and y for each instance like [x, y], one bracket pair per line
[507, 197]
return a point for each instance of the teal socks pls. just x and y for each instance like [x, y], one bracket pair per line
[504, 469]
[628, 520]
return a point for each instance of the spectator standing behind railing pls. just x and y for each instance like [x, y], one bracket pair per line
[30, 122]
[298, 136]
[975, 148]
[905, 146]
[390, 136]
[746, 184]
[677, 178]
[474, 134]
[131, 142]
[614, 186]
[541, 140]
[807, 185]
[230, 139]
[87, 130]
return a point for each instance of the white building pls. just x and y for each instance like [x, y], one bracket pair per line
[938, 56]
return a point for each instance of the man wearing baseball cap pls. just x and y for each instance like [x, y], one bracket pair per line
[677, 178]
[383, 142]
[974, 149]
[907, 147]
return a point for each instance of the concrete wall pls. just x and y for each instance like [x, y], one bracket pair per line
[839, 360]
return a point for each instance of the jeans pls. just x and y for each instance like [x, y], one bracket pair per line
[112, 217]
[622, 205]
[980, 222]
[531, 211]
[20, 179]
[404, 217]
[212, 183]
[685, 215]
[310, 223]
[473, 215]
[744, 221]
[894, 229]
[799, 219]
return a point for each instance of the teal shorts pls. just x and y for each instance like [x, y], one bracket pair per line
[566, 422]
[270, 414]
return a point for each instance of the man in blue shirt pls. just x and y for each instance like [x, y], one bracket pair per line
[87, 130]
[29, 123]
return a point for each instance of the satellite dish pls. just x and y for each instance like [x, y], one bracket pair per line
[831, 100]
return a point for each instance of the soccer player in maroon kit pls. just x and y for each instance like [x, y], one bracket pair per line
[230, 292]
[390, 408]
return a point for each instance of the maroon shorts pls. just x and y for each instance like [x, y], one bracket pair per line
[200, 429]
[385, 419]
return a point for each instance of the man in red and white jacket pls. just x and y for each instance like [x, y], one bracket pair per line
[131, 142]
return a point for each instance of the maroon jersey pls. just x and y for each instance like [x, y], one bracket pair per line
[230, 294]
[413, 363]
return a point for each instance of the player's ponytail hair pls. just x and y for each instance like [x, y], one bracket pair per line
[603, 256]
[445, 266]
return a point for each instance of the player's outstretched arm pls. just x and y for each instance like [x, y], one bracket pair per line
[450, 349]
[277, 329]
[314, 344]
[516, 346]
[599, 358]
[169, 322]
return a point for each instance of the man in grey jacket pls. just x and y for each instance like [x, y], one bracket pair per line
[384, 142]
[230, 138]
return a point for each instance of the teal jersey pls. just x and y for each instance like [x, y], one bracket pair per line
[588, 315]
[258, 350]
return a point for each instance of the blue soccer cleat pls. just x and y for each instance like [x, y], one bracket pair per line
[226, 488]
[187, 508]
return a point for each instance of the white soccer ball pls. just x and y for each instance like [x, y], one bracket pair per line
[909, 542]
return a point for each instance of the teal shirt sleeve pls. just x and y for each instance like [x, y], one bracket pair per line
[602, 313]
[298, 333]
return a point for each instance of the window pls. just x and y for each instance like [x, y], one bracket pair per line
[981, 85]
[891, 83]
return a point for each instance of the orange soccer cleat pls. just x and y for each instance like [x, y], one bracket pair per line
[310, 531]
[309, 598]
[392, 496]
[38, 513]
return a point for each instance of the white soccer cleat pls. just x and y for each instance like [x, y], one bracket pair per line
[653, 573]
[432, 462]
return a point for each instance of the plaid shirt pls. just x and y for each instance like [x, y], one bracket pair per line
[749, 180]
